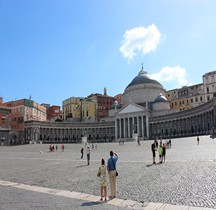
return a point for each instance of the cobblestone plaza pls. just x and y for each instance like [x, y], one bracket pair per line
[187, 178]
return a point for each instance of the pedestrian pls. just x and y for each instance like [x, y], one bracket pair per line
[111, 168]
[164, 152]
[197, 140]
[138, 141]
[88, 155]
[170, 143]
[82, 150]
[103, 180]
[161, 142]
[153, 148]
[160, 152]
[62, 147]
[56, 147]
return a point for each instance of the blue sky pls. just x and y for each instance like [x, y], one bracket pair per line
[53, 50]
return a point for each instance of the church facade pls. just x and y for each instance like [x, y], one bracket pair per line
[146, 114]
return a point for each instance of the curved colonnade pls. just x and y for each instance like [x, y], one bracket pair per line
[197, 121]
[57, 132]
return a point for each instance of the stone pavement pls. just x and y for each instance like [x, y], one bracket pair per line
[33, 178]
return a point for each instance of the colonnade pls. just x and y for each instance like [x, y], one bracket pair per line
[198, 124]
[127, 126]
[71, 134]
[197, 121]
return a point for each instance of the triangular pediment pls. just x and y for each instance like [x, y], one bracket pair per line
[131, 108]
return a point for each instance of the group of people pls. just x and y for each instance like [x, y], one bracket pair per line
[161, 149]
[112, 173]
[52, 148]
[102, 173]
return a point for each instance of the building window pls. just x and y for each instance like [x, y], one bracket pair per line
[207, 89]
[200, 98]
[196, 99]
[191, 100]
[208, 98]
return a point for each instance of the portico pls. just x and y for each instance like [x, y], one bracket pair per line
[132, 119]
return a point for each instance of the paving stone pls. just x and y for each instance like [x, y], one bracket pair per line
[115, 201]
[172, 207]
[185, 179]
[68, 194]
[155, 206]
[128, 203]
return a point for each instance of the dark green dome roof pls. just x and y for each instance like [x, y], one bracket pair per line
[142, 78]
[161, 98]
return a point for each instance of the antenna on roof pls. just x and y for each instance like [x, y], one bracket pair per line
[30, 97]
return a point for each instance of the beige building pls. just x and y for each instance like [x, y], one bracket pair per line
[209, 85]
[186, 97]
[89, 107]
[72, 109]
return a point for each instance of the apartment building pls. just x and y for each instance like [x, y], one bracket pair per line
[209, 85]
[4, 115]
[186, 97]
[72, 109]
[24, 110]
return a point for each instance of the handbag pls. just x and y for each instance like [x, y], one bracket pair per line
[99, 173]
[115, 168]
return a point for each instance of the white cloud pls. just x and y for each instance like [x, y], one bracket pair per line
[171, 74]
[140, 39]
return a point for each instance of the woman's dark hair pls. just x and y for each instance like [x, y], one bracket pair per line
[111, 153]
[102, 162]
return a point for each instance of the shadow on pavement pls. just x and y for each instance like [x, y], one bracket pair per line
[90, 203]
[81, 166]
[149, 165]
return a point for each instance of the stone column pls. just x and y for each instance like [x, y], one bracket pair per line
[133, 126]
[138, 126]
[128, 127]
[142, 127]
[124, 119]
[116, 129]
[120, 125]
[147, 127]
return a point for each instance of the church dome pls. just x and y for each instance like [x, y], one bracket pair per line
[142, 78]
[161, 103]
[142, 90]
[160, 98]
